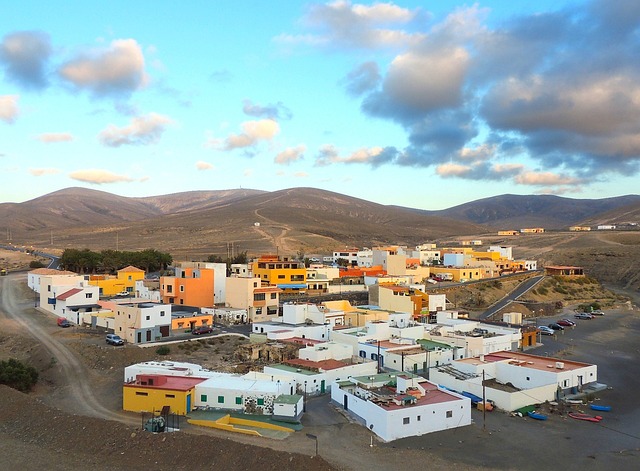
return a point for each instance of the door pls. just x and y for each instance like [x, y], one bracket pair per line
[148, 336]
[188, 403]
[322, 387]
[346, 402]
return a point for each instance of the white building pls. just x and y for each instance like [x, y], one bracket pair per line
[514, 380]
[55, 277]
[140, 322]
[350, 255]
[398, 406]
[505, 251]
[70, 301]
[365, 258]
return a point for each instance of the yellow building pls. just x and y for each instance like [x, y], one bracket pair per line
[508, 233]
[288, 275]
[459, 274]
[579, 228]
[149, 393]
[532, 230]
[124, 281]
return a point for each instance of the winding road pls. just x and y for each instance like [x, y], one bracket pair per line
[15, 309]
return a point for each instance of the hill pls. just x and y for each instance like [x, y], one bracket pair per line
[202, 223]
[548, 211]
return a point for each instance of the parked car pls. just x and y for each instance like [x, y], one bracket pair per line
[203, 329]
[566, 323]
[556, 326]
[597, 312]
[62, 322]
[123, 293]
[113, 339]
[544, 330]
[583, 315]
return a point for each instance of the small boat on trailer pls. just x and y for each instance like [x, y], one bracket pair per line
[587, 417]
[600, 408]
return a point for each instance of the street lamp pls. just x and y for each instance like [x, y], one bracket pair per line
[314, 437]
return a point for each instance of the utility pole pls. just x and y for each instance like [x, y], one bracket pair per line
[484, 405]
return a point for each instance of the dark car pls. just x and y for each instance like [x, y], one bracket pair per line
[113, 339]
[583, 315]
[62, 322]
[566, 323]
[556, 326]
[203, 329]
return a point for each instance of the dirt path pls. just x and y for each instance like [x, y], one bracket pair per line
[14, 312]
[278, 240]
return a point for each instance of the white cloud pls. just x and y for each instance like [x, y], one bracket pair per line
[120, 68]
[253, 132]
[453, 170]
[201, 165]
[143, 130]
[98, 177]
[8, 108]
[301, 174]
[545, 178]
[38, 172]
[292, 154]
[50, 137]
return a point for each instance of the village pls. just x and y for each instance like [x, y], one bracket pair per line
[404, 363]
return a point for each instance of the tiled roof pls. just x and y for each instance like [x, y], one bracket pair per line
[131, 268]
[68, 294]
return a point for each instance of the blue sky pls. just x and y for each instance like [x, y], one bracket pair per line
[421, 104]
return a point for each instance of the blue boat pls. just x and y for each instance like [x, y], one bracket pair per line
[474, 399]
[601, 408]
[537, 416]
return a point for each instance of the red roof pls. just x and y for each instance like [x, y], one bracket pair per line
[176, 383]
[68, 294]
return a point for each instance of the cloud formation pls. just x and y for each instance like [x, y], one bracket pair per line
[143, 130]
[253, 132]
[38, 172]
[116, 70]
[275, 111]
[201, 165]
[560, 88]
[292, 154]
[52, 137]
[344, 24]
[24, 55]
[98, 177]
[8, 108]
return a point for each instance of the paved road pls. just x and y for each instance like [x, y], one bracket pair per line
[512, 296]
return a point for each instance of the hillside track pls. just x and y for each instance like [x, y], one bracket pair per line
[15, 310]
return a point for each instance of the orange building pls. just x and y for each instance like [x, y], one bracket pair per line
[190, 286]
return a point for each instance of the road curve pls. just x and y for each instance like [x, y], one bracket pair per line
[75, 373]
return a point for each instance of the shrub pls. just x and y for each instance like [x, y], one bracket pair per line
[18, 375]
[36, 264]
[542, 291]
[163, 350]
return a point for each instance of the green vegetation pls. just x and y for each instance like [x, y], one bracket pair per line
[36, 264]
[18, 375]
[163, 350]
[110, 261]
[242, 257]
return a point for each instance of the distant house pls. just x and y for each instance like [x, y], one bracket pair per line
[532, 230]
[559, 270]
[579, 228]
[606, 227]
[508, 233]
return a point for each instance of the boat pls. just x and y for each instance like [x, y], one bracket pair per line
[587, 417]
[535, 415]
[600, 408]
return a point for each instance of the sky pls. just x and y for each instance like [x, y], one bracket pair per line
[425, 104]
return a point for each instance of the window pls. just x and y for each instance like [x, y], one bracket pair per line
[374, 356]
[528, 379]
[258, 297]
[261, 401]
[169, 289]
[418, 418]
[182, 288]
[89, 295]
[220, 399]
[203, 398]
[258, 311]
[138, 393]
[405, 421]
[170, 396]
[255, 285]
[238, 400]
[161, 313]
[449, 414]
[273, 295]
[148, 318]
[281, 277]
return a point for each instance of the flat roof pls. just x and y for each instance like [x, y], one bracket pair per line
[527, 361]
[293, 369]
[176, 383]
[329, 364]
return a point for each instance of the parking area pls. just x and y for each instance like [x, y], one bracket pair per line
[506, 442]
